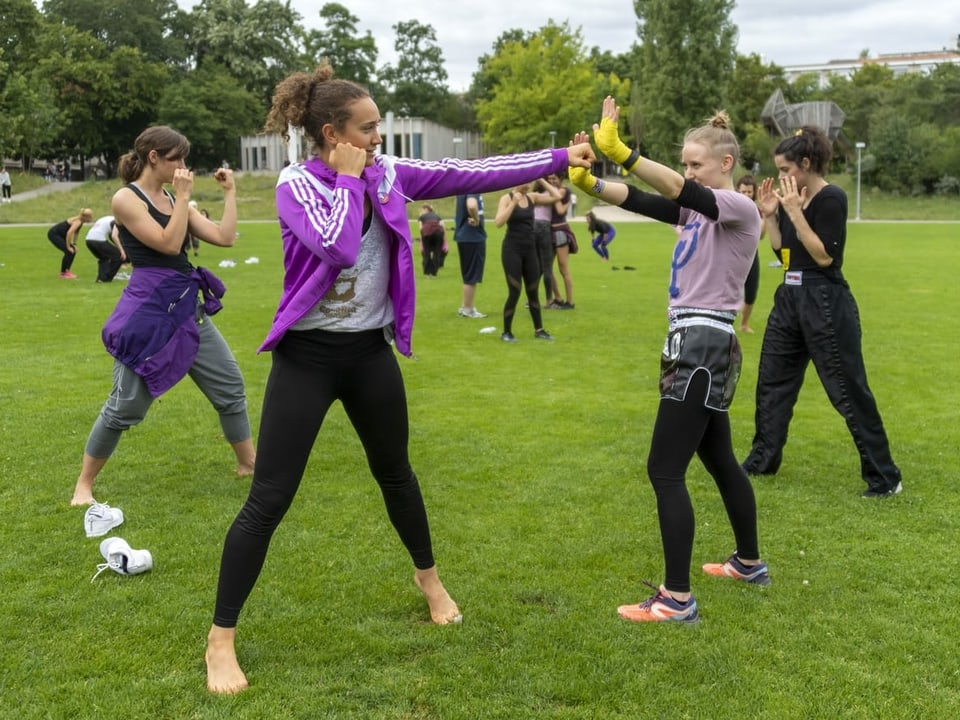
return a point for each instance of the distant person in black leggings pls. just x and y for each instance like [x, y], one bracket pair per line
[746, 185]
[103, 241]
[521, 261]
[64, 236]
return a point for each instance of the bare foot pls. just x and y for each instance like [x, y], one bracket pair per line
[89, 469]
[224, 675]
[443, 610]
[246, 457]
[81, 498]
[746, 329]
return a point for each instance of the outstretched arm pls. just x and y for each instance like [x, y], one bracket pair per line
[667, 181]
[626, 196]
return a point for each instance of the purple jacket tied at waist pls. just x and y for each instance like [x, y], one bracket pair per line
[153, 329]
[321, 221]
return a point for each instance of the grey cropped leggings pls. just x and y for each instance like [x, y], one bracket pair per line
[215, 371]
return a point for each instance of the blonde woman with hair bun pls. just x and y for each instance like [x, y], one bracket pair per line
[700, 364]
[64, 236]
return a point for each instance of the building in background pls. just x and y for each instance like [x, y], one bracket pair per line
[899, 63]
[408, 137]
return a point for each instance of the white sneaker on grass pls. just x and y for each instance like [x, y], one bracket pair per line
[100, 518]
[471, 313]
[123, 559]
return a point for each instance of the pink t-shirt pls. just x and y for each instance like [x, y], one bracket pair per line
[712, 258]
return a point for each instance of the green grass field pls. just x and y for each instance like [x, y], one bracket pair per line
[532, 460]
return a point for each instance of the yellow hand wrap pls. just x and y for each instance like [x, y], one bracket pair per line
[610, 144]
[585, 180]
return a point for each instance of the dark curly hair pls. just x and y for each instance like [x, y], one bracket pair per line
[310, 101]
[808, 142]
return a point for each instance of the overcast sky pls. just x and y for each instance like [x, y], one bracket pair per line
[784, 33]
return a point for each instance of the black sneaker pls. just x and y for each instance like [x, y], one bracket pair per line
[567, 306]
[883, 493]
[508, 337]
[542, 334]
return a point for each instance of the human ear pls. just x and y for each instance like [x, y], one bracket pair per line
[329, 133]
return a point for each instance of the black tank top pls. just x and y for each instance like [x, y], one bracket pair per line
[60, 230]
[145, 256]
[520, 225]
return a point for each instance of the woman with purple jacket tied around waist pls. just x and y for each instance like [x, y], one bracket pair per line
[159, 330]
[348, 292]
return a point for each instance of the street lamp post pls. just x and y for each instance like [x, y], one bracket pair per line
[553, 138]
[860, 146]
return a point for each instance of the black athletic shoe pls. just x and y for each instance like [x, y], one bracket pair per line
[883, 493]
[542, 334]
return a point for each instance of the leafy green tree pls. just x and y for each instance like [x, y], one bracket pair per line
[352, 55]
[20, 24]
[23, 103]
[545, 89]
[103, 95]
[751, 85]
[258, 45]
[485, 79]
[154, 27]
[417, 84]
[213, 111]
[688, 52]
[859, 96]
[623, 65]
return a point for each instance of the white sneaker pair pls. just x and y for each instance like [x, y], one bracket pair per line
[123, 559]
[100, 518]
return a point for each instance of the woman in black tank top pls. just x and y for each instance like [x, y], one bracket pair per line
[521, 261]
[159, 332]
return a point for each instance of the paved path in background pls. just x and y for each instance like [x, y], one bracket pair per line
[613, 214]
[45, 189]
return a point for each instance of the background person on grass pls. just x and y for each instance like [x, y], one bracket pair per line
[161, 328]
[543, 233]
[348, 291]
[603, 234]
[63, 236]
[700, 363]
[5, 185]
[103, 241]
[432, 234]
[470, 235]
[746, 185]
[814, 316]
[563, 239]
[518, 253]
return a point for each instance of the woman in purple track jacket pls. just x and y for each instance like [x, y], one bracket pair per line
[348, 291]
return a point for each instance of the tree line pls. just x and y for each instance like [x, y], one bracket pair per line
[81, 78]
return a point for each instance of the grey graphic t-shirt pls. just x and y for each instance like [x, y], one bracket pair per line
[358, 299]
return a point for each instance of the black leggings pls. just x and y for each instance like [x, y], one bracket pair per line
[752, 284]
[310, 370]
[521, 263]
[683, 428]
[60, 243]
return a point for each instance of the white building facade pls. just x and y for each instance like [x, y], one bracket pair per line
[409, 137]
